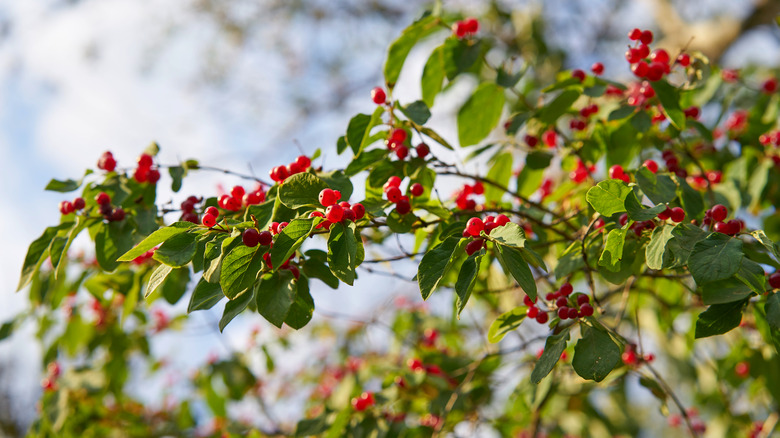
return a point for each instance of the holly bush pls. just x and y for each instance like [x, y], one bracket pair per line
[616, 247]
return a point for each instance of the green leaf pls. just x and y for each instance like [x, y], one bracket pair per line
[658, 188]
[302, 308]
[436, 137]
[400, 223]
[301, 190]
[417, 112]
[365, 160]
[68, 185]
[621, 113]
[500, 172]
[156, 238]
[752, 274]
[654, 253]
[111, 240]
[157, 278]
[686, 236]
[613, 250]
[670, 100]
[553, 348]
[434, 265]
[262, 212]
[480, 114]
[505, 323]
[608, 197]
[514, 262]
[178, 250]
[690, 198]
[275, 295]
[205, 296]
[637, 212]
[466, 279]
[289, 240]
[400, 48]
[510, 234]
[595, 355]
[177, 173]
[342, 252]
[175, 285]
[772, 308]
[530, 177]
[562, 103]
[233, 308]
[433, 76]
[315, 267]
[7, 329]
[717, 257]
[36, 253]
[459, 55]
[239, 270]
[724, 291]
[719, 319]
[761, 236]
[359, 129]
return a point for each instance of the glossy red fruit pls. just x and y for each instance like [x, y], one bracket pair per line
[572, 313]
[527, 301]
[378, 95]
[502, 220]
[586, 310]
[153, 176]
[417, 189]
[623, 220]
[117, 215]
[531, 141]
[303, 162]
[774, 280]
[660, 55]
[722, 227]
[597, 68]
[349, 215]
[209, 220]
[562, 302]
[397, 135]
[640, 69]
[678, 215]
[102, 198]
[684, 59]
[769, 86]
[550, 138]
[474, 246]
[563, 313]
[651, 165]
[344, 204]
[635, 34]
[422, 150]
[471, 24]
[719, 212]
[566, 289]
[401, 152]
[616, 171]
[212, 211]
[475, 226]
[582, 299]
[232, 204]
[646, 37]
[629, 357]
[393, 181]
[532, 312]
[327, 197]
[79, 203]
[478, 188]
[666, 214]
[742, 369]
[578, 74]
[254, 198]
[145, 161]
[251, 237]
[542, 317]
[359, 210]
[265, 238]
[393, 194]
[66, 207]
[403, 206]
[334, 213]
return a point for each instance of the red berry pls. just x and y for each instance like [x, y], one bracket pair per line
[212, 211]
[403, 206]
[334, 213]
[660, 55]
[232, 204]
[459, 29]
[651, 165]
[640, 69]
[102, 198]
[417, 189]
[79, 203]
[532, 312]
[655, 71]
[629, 357]
[633, 56]
[474, 246]
[378, 95]
[471, 24]
[647, 37]
[586, 310]
[635, 34]
[562, 302]
[582, 299]
[393, 181]
[359, 210]
[623, 220]
[393, 194]
[531, 141]
[616, 171]
[692, 112]
[774, 280]
[141, 174]
[265, 238]
[153, 176]
[145, 161]
[572, 313]
[550, 138]
[666, 214]
[237, 192]
[349, 215]
[254, 198]
[475, 226]
[66, 207]
[566, 289]
[478, 188]
[328, 197]
[678, 214]
[578, 74]
[303, 162]
[742, 369]
[542, 317]
[415, 364]
[422, 150]
[295, 272]
[684, 59]
[563, 313]
[719, 212]
[397, 135]
[209, 220]
[401, 152]
[527, 301]
[597, 68]
[769, 86]
[117, 215]
[502, 220]
[251, 237]
[722, 227]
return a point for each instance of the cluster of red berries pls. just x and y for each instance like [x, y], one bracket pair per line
[107, 162]
[673, 163]
[49, 383]
[397, 140]
[281, 173]
[676, 214]
[770, 138]
[638, 93]
[475, 226]
[252, 237]
[364, 401]
[109, 213]
[239, 197]
[336, 211]
[631, 358]
[715, 218]
[567, 309]
[617, 172]
[188, 209]
[68, 207]
[463, 28]
[144, 257]
[581, 172]
[659, 59]
[463, 197]
[393, 193]
[144, 172]
[737, 122]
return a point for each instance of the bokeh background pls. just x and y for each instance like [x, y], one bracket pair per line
[248, 85]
